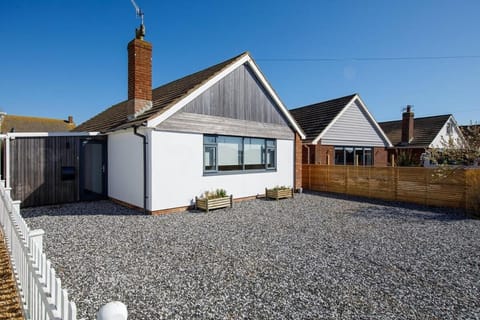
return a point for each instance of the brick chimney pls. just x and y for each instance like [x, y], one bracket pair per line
[139, 74]
[407, 125]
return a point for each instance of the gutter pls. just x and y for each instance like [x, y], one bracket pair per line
[144, 138]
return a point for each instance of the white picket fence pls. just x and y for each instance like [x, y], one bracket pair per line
[40, 289]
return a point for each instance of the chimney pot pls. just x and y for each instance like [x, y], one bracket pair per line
[70, 119]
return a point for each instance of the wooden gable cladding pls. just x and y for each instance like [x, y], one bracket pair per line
[36, 173]
[239, 95]
[236, 105]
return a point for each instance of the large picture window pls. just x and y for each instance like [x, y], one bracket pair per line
[228, 153]
[361, 156]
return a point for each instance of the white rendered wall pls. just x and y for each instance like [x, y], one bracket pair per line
[177, 171]
[125, 167]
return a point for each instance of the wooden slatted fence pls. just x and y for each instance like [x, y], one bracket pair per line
[440, 186]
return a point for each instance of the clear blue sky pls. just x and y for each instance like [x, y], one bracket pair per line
[60, 58]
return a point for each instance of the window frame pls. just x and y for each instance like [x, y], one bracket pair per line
[269, 145]
[354, 150]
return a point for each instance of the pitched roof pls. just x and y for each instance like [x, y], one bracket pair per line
[13, 123]
[424, 130]
[163, 98]
[314, 118]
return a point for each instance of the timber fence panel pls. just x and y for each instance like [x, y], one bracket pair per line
[472, 189]
[446, 187]
[439, 186]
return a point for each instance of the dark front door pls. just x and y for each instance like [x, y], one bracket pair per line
[93, 169]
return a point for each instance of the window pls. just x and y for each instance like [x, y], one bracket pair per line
[361, 156]
[254, 153]
[339, 155]
[449, 129]
[228, 153]
[271, 154]
[349, 156]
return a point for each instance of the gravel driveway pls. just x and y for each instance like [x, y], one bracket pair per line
[313, 257]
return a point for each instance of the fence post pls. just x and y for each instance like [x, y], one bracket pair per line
[36, 237]
[15, 208]
[8, 190]
[114, 310]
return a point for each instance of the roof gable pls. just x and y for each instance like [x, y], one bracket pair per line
[243, 59]
[314, 118]
[354, 126]
[173, 96]
[328, 117]
[450, 135]
[239, 95]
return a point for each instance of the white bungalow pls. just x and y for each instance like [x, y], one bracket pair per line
[222, 127]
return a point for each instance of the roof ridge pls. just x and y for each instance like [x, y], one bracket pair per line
[420, 118]
[34, 117]
[325, 101]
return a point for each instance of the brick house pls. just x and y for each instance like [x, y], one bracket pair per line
[342, 132]
[411, 137]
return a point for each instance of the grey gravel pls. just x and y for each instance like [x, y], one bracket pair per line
[311, 257]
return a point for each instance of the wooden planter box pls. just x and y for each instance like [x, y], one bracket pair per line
[278, 193]
[208, 204]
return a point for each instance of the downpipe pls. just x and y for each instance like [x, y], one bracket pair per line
[144, 138]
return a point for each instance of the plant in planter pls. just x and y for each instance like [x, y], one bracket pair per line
[214, 200]
[279, 192]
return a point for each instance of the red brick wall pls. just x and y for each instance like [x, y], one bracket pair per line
[323, 153]
[298, 162]
[139, 70]
[317, 154]
[380, 157]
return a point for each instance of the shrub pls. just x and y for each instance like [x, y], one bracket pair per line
[218, 193]
[280, 188]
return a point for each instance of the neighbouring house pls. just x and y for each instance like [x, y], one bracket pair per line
[222, 127]
[342, 132]
[411, 137]
[14, 123]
